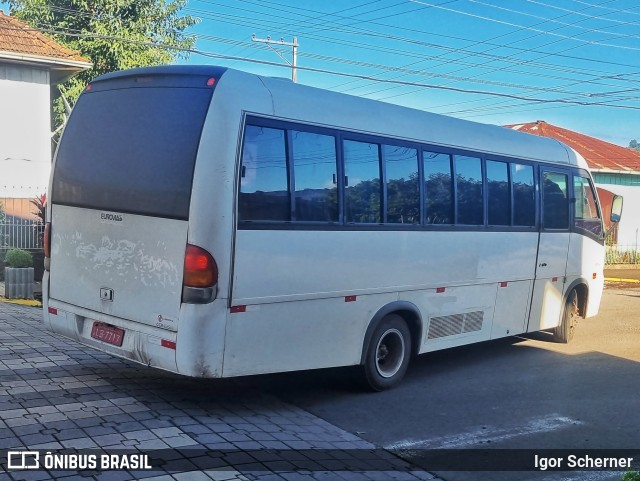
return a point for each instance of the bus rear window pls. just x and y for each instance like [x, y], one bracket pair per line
[131, 150]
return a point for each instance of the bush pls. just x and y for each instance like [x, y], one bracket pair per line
[18, 258]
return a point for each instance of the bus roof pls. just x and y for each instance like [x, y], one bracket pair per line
[204, 70]
[297, 102]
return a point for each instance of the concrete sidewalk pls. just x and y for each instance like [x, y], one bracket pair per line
[56, 394]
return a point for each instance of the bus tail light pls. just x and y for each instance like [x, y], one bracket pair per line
[46, 240]
[200, 277]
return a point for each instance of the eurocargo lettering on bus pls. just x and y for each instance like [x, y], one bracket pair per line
[217, 223]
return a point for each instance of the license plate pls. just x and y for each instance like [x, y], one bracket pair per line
[107, 333]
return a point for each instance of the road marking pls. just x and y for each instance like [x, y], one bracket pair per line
[618, 279]
[488, 434]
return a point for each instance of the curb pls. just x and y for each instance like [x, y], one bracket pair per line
[22, 302]
[618, 279]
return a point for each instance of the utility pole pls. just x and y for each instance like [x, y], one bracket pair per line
[294, 56]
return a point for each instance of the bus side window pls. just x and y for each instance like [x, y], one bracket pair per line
[587, 217]
[264, 193]
[469, 193]
[403, 188]
[314, 160]
[498, 197]
[555, 208]
[362, 182]
[524, 195]
[438, 188]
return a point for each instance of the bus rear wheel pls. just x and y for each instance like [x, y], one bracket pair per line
[567, 328]
[388, 354]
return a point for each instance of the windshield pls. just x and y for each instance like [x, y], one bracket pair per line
[131, 150]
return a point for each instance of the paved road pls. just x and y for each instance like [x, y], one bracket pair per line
[56, 394]
[516, 393]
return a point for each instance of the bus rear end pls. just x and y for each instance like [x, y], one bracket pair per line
[120, 268]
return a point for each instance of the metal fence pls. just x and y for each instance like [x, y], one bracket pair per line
[622, 254]
[20, 227]
[21, 233]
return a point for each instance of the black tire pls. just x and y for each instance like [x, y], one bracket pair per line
[388, 354]
[565, 332]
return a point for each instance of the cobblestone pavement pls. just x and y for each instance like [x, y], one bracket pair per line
[56, 394]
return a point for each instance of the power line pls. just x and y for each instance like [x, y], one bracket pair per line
[520, 62]
[359, 31]
[551, 20]
[493, 69]
[593, 17]
[615, 10]
[567, 37]
[415, 84]
[589, 72]
[324, 71]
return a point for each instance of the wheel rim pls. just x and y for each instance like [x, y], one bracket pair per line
[390, 353]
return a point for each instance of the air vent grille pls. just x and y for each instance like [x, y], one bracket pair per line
[455, 324]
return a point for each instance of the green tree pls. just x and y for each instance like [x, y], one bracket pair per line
[112, 34]
[634, 145]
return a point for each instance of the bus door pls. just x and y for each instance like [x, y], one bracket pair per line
[553, 246]
[586, 257]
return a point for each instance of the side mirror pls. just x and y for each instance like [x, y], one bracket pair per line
[616, 208]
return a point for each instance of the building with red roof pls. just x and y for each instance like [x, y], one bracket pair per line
[615, 170]
[24, 45]
[31, 65]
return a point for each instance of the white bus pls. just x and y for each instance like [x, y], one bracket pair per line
[216, 223]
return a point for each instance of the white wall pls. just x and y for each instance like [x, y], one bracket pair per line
[629, 229]
[25, 126]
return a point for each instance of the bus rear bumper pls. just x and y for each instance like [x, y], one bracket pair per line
[134, 341]
[195, 349]
[146, 348]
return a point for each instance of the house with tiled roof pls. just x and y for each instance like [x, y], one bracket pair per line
[31, 65]
[615, 170]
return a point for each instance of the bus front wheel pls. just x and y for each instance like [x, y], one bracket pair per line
[567, 328]
[388, 354]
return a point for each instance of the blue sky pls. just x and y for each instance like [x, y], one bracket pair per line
[484, 60]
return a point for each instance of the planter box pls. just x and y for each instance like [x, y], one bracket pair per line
[18, 282]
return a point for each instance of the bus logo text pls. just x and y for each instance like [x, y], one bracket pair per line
[106, 216]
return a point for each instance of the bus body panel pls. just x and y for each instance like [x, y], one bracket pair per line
[118, 264]
[200, 342]
[585, 263]
[351, 262]
[513, 301]
[296, 335]
[548, 288]
[213, 205]
[452, 277]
